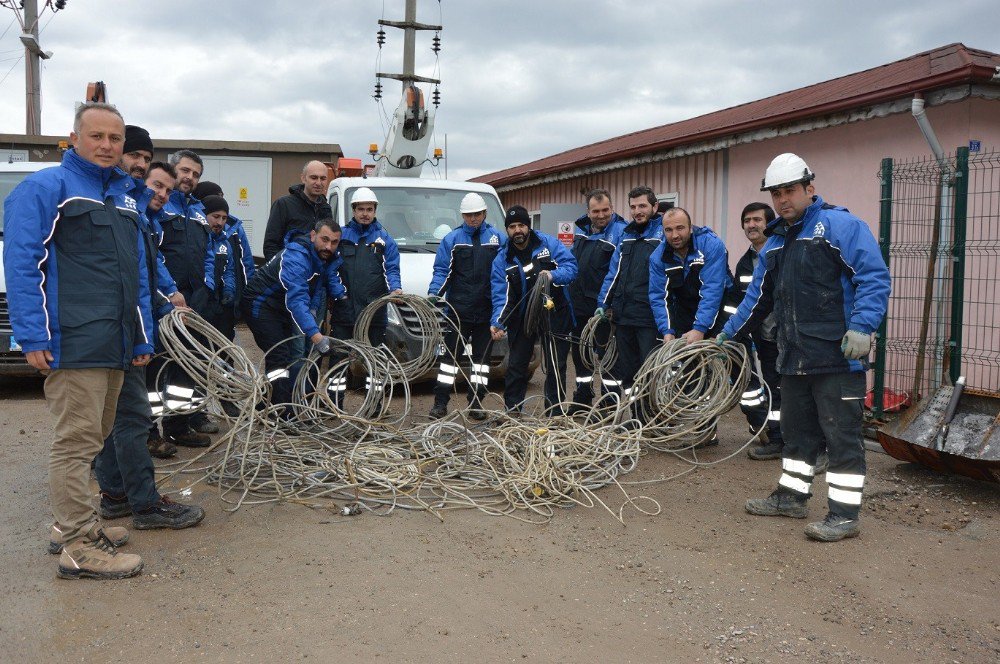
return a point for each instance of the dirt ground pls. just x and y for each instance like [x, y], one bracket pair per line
[701, 582]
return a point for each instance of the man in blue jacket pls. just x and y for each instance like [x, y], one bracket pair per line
[239, 243]
[79, 304]
[220, 270]
[821, 272]
[624, 297]
[462, 270]
[370, 268]
[596, 236]
[276, 303]
[515, 274]
[689, 280]
[183, 245]
[124, 468]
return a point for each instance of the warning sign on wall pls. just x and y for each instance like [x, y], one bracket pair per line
[565, 233]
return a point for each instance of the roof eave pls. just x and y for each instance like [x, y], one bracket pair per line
[967, 74]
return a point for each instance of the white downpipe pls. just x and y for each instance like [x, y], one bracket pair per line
[944, 237]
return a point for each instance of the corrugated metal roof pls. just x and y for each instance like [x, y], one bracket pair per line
[949, 65]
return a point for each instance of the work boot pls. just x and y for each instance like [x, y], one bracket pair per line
[765, 451]
[833, 528]
[201, 423]
[822, 463]
[112, 507]
[477, 414]
[117, 535]
[708, 441]
[96, 559]
[165, 513]
[160, 448]
[189, 438]
[578, 408]
[231, 408]
[780, 503]
[438, 411]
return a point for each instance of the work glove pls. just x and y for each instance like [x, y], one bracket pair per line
[856, 345]
[324, 346]
[433, 299]
[721, 338]
[599, 312]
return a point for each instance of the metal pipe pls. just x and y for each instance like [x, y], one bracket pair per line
[944, 236]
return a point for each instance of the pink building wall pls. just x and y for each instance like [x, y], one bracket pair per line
[846, 159]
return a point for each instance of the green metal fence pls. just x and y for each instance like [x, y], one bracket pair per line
[939, 231]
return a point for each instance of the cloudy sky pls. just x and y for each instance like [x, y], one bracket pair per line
[522, 79]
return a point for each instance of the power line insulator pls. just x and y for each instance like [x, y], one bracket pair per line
[60, 4]
[436, 96]
[380, 37]
[378, 90]
[437, 44]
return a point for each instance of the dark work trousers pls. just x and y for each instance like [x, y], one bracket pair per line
[281, 362]
[124, 467]
[824, 410]
[754, 402]
[376, 337]
[521, 347]
[584, 392]
[477, 369]
[634, 344]
[176, 377]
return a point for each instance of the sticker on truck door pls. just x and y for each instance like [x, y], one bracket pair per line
[14, 345]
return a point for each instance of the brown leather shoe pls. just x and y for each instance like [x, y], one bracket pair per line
[160, 448]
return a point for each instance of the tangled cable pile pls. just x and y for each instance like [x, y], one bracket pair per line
[365, 451]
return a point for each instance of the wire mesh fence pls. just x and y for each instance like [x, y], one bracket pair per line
[940, 234]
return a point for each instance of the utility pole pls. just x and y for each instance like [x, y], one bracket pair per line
[32, 69]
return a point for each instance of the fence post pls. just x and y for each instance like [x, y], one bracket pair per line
[884, 234]
[958, 262]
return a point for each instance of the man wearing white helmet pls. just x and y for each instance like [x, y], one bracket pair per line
[462, 279]
[822, 274]
[370, 269]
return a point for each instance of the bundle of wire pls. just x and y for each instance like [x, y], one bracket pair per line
[327, 451]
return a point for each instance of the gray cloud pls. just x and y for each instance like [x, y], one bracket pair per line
[522, 79]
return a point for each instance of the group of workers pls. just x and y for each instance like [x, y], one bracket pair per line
[100, 247]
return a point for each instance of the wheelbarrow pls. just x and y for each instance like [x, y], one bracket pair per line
[955, 431]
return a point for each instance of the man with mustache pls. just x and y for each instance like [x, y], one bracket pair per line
[597, 235]
[124, 468]
[624, 297]
[184, 243]
[823, 276]
[516, 272]
[754, 220]
[276, 302]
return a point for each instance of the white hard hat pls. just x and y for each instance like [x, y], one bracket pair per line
[786, 169]
[363, 195]
[472, 203]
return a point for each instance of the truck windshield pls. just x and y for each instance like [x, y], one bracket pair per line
[417, 215]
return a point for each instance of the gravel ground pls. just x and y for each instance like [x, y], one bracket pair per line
[701, 582]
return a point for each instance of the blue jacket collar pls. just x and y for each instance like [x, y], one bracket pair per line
[646, 230]
[112, 179]
[373, 227]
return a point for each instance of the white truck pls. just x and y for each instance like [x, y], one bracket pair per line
[12, 362]
[417, 213]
